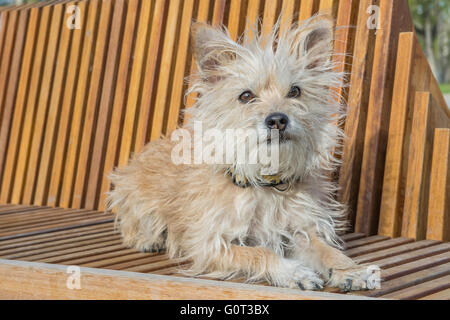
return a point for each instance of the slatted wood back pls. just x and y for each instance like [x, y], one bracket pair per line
[75, 103]
[409, 201]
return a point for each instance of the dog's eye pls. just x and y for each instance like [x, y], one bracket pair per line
[247, 97]
[295, 92]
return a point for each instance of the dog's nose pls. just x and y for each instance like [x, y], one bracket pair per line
[277, 120]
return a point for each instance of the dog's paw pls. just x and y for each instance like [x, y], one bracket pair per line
[353, 279]
[310, 283]
[306, 279]
[300, 277]
[154, 248]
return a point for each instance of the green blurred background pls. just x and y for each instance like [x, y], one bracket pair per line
[432, 20]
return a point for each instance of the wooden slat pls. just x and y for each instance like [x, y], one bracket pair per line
[75, 220]
[422, 290]
[121, 87]
[330, 6]
[156, 266]
[399, 259]
[427, 116]
[49, 140]
[135, 79]
[91, 220]
[148, 260]
[106, 102]
[416, 265]
[164, 77]
[8, 206]
[101, 260]
[20, 278]
[390, 215]
[358, 97]
[57, 245]
[394, 18]
[410, 280]
[55, 236]
[438, 223]
[347, 12]
[270, 16]
[5, 63]
[69, 216]
[358, 251]
[352, 236]
[18, 209]
[413, 224]
[218, 12]
[42, 216]
[93, 251]
[31, 108]
[412, 73]
[308, 8]
[6, 43]
[42, 104]
[66, 108]
[235, 16]
[441, 295]
[149, 83]
[76, 120]
[390, 252]
[176, 92]
[11, 85]
[202, 16]
[82, 250]
[93, 94]
[253, 13]
[364, 241]
[3, 24]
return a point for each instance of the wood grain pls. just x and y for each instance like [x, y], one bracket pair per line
[20, 278]
[394, 19]
[438, 223]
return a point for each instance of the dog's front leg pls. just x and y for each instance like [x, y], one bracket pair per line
[336, 268]
[261, 263]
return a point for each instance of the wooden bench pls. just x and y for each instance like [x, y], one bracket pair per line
[75, 103]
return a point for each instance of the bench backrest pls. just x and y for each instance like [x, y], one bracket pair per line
[83, 84]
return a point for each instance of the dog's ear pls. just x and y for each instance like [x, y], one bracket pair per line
[313, 40]
[212, 49]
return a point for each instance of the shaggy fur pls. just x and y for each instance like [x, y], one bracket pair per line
[288, 238]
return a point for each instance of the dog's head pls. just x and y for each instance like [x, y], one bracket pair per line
[271, 82]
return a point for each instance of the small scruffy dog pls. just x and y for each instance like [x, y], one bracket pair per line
[228, 219]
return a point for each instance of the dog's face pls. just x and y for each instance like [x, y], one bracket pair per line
[277, 82]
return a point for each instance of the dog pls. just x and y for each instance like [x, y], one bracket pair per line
[228, 219]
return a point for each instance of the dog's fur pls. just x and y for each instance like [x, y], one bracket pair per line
[288, 238]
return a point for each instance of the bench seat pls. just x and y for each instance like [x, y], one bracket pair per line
[60, 237]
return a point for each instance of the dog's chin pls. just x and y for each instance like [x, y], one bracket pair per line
[284, 138]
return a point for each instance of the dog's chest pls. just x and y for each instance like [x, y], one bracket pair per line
[262, 216]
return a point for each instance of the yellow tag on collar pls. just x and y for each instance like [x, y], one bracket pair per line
[265, 181]
[272, 179]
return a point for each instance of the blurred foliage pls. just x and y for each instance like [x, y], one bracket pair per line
[445, 88]
[432, 22]
[17, 2]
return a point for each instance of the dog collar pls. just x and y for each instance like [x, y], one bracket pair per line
[265, 181]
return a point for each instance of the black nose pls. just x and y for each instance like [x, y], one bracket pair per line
[277, 120]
